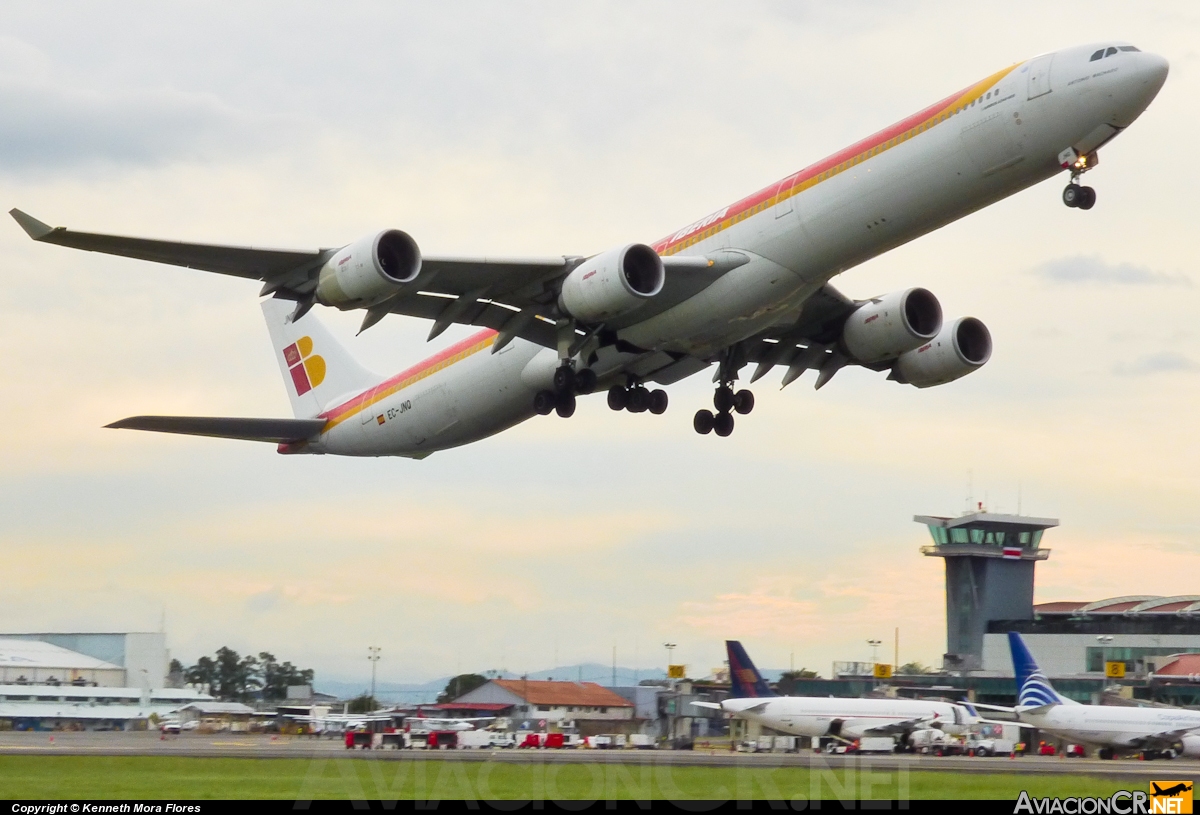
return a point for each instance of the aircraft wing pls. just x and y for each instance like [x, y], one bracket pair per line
[897, 728]
[487, 292]
[807, 341]
[707, 705]
[1163, 739]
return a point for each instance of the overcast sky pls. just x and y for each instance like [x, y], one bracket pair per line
[545, 128]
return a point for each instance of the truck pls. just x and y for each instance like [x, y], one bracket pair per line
[474, 739]
[877, 744]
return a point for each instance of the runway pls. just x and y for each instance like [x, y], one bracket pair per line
[243, 745]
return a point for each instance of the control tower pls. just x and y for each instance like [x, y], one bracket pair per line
[989, 575]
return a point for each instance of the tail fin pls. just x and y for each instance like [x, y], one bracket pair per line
[1033, 688]
[316, 368]
[744, 679]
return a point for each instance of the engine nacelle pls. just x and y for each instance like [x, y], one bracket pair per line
[1191, 746]
[612, 283]
[961, 347]
[888, 326]
[369, 270]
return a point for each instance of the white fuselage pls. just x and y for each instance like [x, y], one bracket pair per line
[1112, 726]
[817, 716]
[994, 139]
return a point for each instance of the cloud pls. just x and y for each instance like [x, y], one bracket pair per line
[1091, 269]
[1164, 362]
[51, 128]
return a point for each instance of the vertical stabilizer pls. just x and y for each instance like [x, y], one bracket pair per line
[316, 368]
[745, 682]
[1033, 688]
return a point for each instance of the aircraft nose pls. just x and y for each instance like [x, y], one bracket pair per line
[1154, 70]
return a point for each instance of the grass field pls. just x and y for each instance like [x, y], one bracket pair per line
[92, 777]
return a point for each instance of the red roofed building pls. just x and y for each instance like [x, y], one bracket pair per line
[553, 702]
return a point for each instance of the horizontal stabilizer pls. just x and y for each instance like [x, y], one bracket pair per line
[272, 430]
[708, 705]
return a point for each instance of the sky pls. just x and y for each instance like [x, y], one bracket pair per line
[543, 128]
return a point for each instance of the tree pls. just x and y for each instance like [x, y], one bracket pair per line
[276, 678]
[912, 668]
[176, 667]
[363, 703]
[231, 677]
[789, 681]
[458, 685]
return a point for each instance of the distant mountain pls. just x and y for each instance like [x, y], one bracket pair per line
[426, 692]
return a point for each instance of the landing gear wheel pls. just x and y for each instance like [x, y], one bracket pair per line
[544, 402]
[723, 399]
[703, 422]
[585, 381]
[658, 402]
[1087, 198]
[618, 398]
[1071, 195]
[743, 402]
[723, 424]
[564, 379]
[565, 405]
[1105, 753]
[639, 400]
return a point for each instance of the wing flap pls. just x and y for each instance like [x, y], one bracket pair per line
[279, 431]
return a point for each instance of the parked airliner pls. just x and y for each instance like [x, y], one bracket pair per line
[846, 719]
[1151, 731]
[748, 283]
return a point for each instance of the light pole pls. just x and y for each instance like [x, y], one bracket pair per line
[670, 646]
[373, 657]
[874, 650]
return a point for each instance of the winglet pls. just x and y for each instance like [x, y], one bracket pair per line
[32, 226]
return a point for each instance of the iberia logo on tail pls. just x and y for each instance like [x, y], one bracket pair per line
[307, 369]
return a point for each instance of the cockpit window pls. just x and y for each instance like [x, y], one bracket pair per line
[1110, 52]
[1129, 48]
[1097, 55]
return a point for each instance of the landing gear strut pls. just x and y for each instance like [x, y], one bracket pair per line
[567, 383]
[727, 402]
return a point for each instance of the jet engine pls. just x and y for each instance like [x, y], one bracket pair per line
[961, 347]
[888, 326]
[612, 283]
[369, 270]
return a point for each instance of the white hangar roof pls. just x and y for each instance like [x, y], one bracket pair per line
[37, 654]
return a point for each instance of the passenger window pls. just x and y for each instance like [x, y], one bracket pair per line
[1097, 55]
[1128, 48]
[1110, 52]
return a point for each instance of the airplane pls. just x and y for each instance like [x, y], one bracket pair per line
[747, 283]
[1155, 732]
[843, 719]
[1169, 792]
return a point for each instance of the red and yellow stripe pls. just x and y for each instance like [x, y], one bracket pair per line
[839, 162]
[426, 368]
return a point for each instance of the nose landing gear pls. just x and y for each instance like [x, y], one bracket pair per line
[1075, 195]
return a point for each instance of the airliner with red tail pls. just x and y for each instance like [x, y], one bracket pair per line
[746, 284]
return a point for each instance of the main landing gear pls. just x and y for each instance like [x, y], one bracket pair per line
[726, 401]
[636, 399]
[567, 383]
